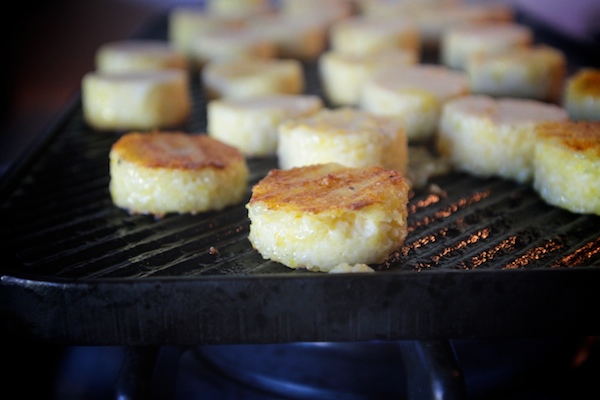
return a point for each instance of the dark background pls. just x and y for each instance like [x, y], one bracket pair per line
[49, 46]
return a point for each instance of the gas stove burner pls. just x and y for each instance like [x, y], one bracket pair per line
[384, 369]
[313, 370]
[550, 368]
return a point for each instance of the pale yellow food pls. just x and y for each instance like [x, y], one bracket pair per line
[185, 22]
[414, 94]
[536, 72]
[173, 172]
[252, 77]
[379, 8]
[318, 217]
[344, 268]
[301, 37]
[493, 137]
[138, 55]
[325, 10]
[461, 42]
[434, 17]
[360, 35]
[251, 124]
[567, 165]
[142, 100]
[343, 75]
[433, 20]
[231, 44]
[238, 9]
[581, 97]
[346, 136]
[423, 164]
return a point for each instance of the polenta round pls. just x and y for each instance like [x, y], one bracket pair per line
[567, 165]
[320, 216]
[173, 172]
[344, 135]
[139, 100]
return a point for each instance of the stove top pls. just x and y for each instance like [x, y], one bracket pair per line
[518, 368]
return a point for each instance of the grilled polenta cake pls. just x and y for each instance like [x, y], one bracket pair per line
[326, 10]
[231, 44]
[567, 165]
[434, 20]
[318, 217]
[237, 9]
[343, 75]
[173, 172]
[461, 42]
[252, 77]
[361, 35]
[493, 137]
[346, 136]
[186, 22]
[582, 95]
[302, 37]
[536, 72]
[414, 94]
[141, 100]
[139, 55]
[251, 124]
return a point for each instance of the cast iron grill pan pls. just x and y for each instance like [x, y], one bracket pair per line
[483, 257]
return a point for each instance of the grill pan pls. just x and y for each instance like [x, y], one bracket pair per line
[483, 258]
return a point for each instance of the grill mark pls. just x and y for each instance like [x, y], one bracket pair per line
[581, 256]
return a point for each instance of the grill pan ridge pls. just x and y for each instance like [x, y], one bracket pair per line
[68, 251]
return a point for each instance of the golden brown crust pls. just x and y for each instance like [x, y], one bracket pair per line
[176, 150]
[583, 137]
[586, 83]
[326, 187]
